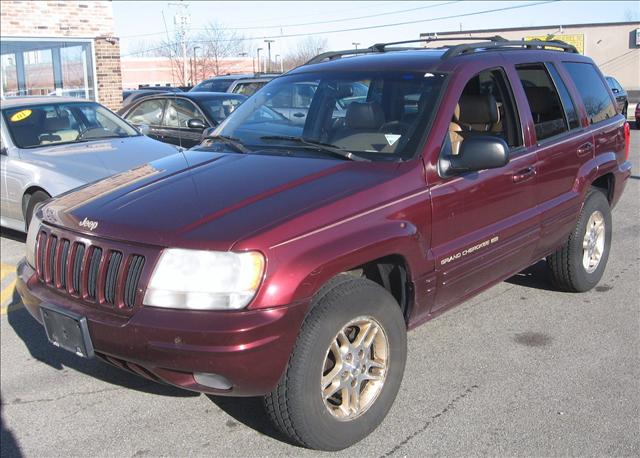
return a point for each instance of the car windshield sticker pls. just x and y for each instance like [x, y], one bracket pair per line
[20, 115]
[392, 138]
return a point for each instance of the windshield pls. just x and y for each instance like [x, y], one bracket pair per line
[48, 124]
[220, 85]
[219, 108]
[377, 115]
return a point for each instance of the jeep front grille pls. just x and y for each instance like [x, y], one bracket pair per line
[99, 272]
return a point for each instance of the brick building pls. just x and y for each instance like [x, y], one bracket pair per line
[64, 47]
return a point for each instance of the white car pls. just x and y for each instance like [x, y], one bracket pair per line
[50, 145]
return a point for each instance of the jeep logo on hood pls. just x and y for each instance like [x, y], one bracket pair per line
[91, 225]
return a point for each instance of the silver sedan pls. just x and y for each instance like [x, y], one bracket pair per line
[51, 145]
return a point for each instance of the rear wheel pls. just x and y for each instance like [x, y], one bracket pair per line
[346, 367]
[579, 264]
[32, 201]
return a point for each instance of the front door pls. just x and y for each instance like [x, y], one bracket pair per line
[485, 224]
[175, 127]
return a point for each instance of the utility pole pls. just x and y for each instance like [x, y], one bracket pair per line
[182, 20]
[268, 42]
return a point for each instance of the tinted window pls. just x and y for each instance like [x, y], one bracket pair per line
[220, 85]
[248, 89]
[148, 112]
[567, 102]
[220, 108]
[179, 112]
[592, 90]
[613, 83]
[544, 101]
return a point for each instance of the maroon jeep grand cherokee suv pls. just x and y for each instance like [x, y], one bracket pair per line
[287, 258]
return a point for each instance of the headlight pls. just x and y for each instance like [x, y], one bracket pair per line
[204, 280]
[32, 237]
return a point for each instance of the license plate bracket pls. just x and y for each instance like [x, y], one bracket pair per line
[67, 330]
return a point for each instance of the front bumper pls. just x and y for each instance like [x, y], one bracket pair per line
[249, 348]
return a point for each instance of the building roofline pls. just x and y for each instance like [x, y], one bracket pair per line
[537, 27]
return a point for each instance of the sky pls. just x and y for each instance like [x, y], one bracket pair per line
[140, 25]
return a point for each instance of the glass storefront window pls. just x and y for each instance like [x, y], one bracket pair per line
[43, 67]
[38, 72]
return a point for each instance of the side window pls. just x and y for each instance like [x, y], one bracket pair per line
[179, 112]
[592, 90]
[248, 89]
[148, 112]
[302, 95]
[282, 99]
[544, 101]
[567, 102]
[485, 107]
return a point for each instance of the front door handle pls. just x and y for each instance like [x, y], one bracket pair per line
[585, 149]
[524, 175]
[298, 115]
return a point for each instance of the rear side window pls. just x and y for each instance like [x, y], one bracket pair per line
[544, 101]
[148, 112]
[593, 92]
[567, 102]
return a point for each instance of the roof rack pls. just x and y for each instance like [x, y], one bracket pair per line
[459, 50]
[491, 42]
[381, 47]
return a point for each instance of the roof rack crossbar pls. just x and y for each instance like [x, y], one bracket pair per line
[381, 46]
[526, 44]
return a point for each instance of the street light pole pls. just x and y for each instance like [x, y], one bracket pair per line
[194, 73]
[268, 42]
[281, 63]
[356, 44]
[258, 59]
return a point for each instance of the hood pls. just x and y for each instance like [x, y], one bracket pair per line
[209, 200]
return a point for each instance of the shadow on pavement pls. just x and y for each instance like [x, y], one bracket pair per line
[536, 276]
[13, 235]
[250, 412]
[35, 339]
[9, 447]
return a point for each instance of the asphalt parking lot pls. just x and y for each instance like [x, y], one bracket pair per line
[519, 370]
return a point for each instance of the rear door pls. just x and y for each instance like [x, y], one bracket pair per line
[563, 145]
[485, 225]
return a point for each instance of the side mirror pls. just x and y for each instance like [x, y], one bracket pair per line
[196, 124]
[614, 90]
[476, 153]
[206, 132]
[144, 129]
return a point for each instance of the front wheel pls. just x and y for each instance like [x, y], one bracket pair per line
[346, 367]
[579, 264]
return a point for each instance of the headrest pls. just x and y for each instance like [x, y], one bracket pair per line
[364, 115]
[540, 100]
[477, 109]
[57, 123]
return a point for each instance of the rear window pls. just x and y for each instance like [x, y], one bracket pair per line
[220, 85]
[593, 92]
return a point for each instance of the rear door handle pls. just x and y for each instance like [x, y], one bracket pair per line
[524, 175]
[585, 149]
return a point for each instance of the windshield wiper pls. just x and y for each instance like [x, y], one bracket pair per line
[319, 146]
[231, 141]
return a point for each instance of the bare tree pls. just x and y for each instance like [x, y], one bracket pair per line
[304, 50]
[217, 43]
[172, 49]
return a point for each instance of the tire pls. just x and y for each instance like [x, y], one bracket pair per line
[570, 269]
[297, 406]
[32, 201]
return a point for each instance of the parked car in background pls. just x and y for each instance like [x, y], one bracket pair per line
[619, 93]
[638, 116]
[129, 96]
[53, 144]
[245, 84]
[180, 118]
